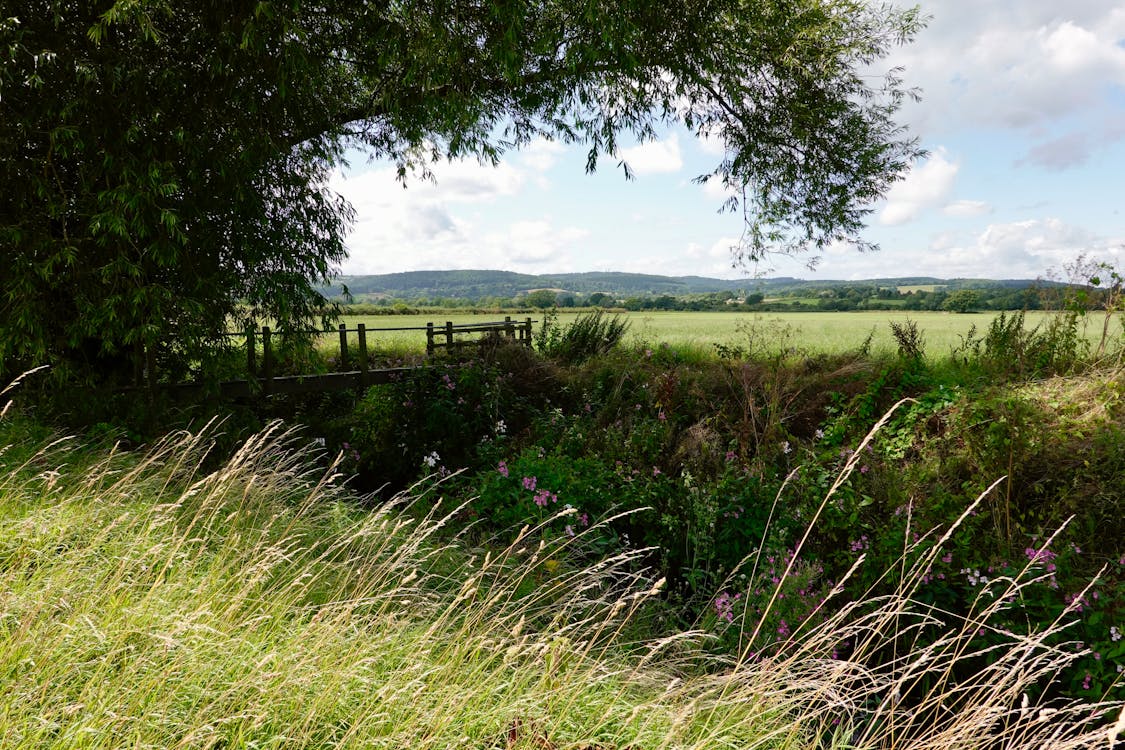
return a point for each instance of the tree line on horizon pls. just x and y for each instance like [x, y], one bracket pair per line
[790, 295]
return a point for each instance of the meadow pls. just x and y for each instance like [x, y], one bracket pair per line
[820, 332]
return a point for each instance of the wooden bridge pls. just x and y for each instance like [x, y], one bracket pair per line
[261, 361]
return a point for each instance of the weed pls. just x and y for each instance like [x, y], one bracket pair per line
[587, 335]
[911, 344]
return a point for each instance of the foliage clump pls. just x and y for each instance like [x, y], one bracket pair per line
[717, 466]
[234, 606]
[587, 335]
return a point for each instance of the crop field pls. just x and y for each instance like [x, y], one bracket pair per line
[756, 332]
[903, 289]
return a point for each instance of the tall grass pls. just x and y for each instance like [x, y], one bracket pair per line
[169, 600]
[587, 335]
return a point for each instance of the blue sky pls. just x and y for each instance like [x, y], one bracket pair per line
[1023, 113]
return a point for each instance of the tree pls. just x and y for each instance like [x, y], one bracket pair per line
[962, 301]
[541, 298]
[165, 161]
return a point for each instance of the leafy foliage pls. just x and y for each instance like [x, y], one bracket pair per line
[587, 335]
[164, 162]
[717, 469]
[154, 193]
[961, 301]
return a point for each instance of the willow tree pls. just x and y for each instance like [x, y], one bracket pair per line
[164, 162]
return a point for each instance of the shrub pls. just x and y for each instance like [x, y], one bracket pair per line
[588, 335]
[911, 343]
[1010, 350]
[432, 420]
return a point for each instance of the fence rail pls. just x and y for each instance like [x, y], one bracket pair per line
[446, 336]
[262, 378]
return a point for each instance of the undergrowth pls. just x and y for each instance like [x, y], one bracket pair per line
[148, 602]
[708, 463]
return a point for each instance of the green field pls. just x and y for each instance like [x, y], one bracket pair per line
[812, 332]
[903, 289]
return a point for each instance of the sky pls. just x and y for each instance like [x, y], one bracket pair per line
[1022, 113]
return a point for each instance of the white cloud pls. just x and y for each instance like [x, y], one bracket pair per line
[436, 225]
[1048, 242]
[719, 250]
[1023, 249]
[541, 154]
[964, 208]
[654, 157]
[712, 145]
[925, 186]
[943, 241]
[470, 182]
[531, 244]
[463, 181]
[696, 259]
[1030, 65]
[717, 191]
[1072, 50]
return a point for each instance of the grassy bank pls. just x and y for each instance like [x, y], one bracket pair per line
[150, 601]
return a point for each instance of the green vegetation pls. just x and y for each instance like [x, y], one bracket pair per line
[501, 289]
[163, 599]
[831, 332]
[584, 337]
[962, 301]
[718, 462]
[609, 542]
[165, 161]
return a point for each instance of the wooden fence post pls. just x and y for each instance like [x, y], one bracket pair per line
[267, 361]
[429, 338]
[343, 347]
[250, 363]
[509, 330]
[527, 334]
[449, 334]
[361, 330]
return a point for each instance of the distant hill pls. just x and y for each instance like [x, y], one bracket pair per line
[484, 284]
[478, 284]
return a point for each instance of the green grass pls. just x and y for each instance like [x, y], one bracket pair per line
[149, 602]
[820, 332]
[921, 288]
